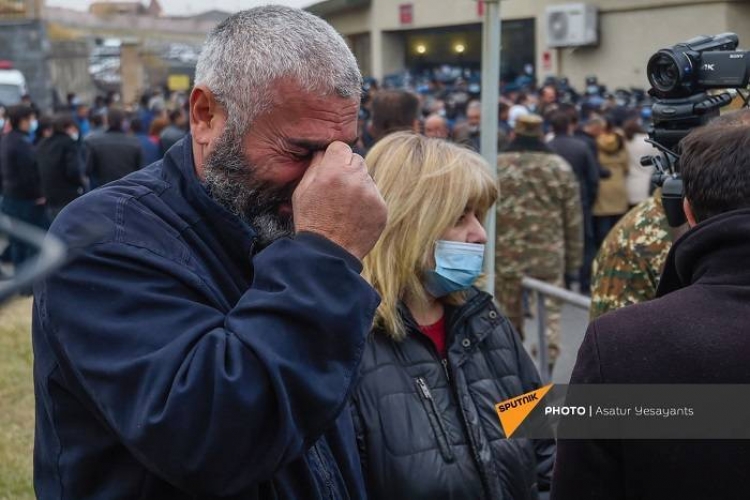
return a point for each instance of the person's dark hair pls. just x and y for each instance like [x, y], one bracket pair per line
[632, 127]
[17, 114]
[61, 122]
[136, 126]
[715, 169]
[521, 98]
[115, 118]
[393, 111]
[560, 123]
[97, 120]
[570, 110]
[175, 115]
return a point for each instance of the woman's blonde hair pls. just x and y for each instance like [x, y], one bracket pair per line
[427, 184]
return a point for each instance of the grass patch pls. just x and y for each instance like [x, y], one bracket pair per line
[16, 401]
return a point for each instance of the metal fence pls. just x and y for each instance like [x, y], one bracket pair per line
[542, 289]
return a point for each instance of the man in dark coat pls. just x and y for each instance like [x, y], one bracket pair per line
[694, 332]
[22, 189]
[60, 165]
[205, 337]
[113, 154]
[586, 168]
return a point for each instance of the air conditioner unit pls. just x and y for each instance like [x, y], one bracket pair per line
[572, 25]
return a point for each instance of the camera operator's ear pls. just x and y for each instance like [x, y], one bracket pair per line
[688, 212]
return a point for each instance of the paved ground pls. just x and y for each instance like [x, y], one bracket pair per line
[574, 323]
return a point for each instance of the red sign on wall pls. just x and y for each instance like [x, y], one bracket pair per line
[406, 13]
[546, 60]
[480, 8]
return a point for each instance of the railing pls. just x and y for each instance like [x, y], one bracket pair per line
[542, 290]
[51, 255]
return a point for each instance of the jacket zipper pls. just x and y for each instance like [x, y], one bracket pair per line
[444, 362]
[436, 420]
[485, 476]
[326, 472]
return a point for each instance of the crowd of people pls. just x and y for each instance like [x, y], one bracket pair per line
[283, 306]
[47, 161]
[569, 170]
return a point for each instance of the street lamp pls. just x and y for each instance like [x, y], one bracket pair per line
[421, 51]
[460, 49]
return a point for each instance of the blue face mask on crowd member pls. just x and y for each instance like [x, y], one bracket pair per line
[33, 126]
[457, 267]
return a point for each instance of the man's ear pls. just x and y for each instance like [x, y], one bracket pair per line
[688, 212]
[207, 116]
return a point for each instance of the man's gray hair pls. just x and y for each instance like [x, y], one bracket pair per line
[247, 54]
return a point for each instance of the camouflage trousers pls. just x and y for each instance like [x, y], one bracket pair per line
[509, 294]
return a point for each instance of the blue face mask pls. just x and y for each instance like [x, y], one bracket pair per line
[457, 267]
[33, 126]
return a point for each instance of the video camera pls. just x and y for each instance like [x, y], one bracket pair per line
[680, 77]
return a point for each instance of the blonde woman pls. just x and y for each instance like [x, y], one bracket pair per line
[441, 354]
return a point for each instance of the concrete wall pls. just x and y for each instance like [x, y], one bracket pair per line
[630, 31]
[25, 43]
[738, 21]
[352, 22]
[131, 72]
[69, 69]
[629, 38]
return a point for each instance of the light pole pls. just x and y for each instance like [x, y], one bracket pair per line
[490, 98]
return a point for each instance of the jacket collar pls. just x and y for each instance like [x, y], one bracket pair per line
[237, 237]
[455, 316]
[714, 252]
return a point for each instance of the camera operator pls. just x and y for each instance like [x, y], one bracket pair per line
[629, 264]
[694, 332]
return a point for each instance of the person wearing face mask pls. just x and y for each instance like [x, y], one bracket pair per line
[22, 194]
[441, 354]
[60, 165]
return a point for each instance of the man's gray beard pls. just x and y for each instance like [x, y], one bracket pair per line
[233, 184]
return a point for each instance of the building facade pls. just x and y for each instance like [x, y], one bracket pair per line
[391, 36]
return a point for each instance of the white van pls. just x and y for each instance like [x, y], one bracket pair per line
[12, 85]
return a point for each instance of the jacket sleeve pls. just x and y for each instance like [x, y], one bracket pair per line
[209, 396]
[573, 220]
[543, 448]
[588, 469]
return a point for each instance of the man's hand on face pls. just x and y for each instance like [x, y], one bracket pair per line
[338, 199]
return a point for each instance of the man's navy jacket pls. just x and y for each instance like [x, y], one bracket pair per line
[173, 362]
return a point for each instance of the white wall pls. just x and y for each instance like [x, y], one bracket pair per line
[629, 38]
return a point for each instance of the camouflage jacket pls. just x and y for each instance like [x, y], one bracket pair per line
[629, 263]
[539, 221]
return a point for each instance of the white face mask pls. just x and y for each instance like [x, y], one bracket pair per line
[74, 136]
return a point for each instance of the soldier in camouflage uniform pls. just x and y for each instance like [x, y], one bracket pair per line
[629, 264]
[539, 224]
